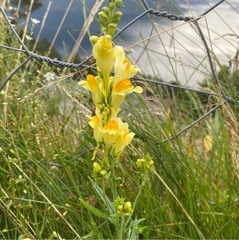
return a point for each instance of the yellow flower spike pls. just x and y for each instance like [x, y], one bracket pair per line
[104, 54]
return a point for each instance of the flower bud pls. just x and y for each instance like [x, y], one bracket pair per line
[111, 6]
[94, 39]
[120, 209]
[111, 29]
[105, 10]
[117, 17]
[140, 163]
[96, 167]
[103, 18]
[128, 208]
[104, 54]
[118, 3]
[144, 164]
[103, 172]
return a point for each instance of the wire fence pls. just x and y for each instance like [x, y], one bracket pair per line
[147, 11]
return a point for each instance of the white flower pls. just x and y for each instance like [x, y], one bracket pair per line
[49, 76]
[35, 21]
[29, 38]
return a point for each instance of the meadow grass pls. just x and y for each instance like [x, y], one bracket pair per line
[46, 148]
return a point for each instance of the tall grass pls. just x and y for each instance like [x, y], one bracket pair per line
[46, 148]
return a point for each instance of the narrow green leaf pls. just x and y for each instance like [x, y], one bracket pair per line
[92, 209]
[104, 197]
[136, 222]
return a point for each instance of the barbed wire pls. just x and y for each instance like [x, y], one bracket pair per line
[148, 11]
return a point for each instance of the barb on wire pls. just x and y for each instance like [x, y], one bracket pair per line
[150, 11]
[174, 17]
[158, 13]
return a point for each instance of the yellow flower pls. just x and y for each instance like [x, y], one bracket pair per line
[120, 90]
[121, 83]
[116, 134]
[94, 85]
[123, 67]
[104, 54]
[96, 124]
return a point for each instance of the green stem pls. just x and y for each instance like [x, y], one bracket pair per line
[122, 225]
[112, 162]
[113, 182]
[135, 202]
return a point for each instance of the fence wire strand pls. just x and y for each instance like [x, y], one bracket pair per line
[148, 11]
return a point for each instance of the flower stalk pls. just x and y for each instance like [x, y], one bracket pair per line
[109, 88]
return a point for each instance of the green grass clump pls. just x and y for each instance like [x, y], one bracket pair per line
[46, 148]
